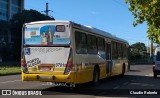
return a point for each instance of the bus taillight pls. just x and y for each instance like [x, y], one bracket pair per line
[23, 63]
[68, 67]
[24, 67]
[69, 63]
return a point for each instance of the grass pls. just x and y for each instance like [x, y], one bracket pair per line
[9, 70]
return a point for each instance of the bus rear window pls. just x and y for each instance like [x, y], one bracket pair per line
[44, 34]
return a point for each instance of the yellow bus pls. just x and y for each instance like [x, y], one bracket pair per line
[67, 52]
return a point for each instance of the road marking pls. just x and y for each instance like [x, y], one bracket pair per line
[48, 83]
[44, 84]
[151, 74]
[9, 81]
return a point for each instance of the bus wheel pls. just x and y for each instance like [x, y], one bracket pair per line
[96, 77]
[123, 71]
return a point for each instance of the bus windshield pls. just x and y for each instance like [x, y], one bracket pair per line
[158, 56]
[46, 34]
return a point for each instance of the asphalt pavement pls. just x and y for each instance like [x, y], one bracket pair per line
[140, 77]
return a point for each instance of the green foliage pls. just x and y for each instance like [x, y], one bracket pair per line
[28, 16]
[9, 70]
[3, 32]
[149, 11]
[138, 51]
[4, 26]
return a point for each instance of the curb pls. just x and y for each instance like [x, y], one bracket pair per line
[10, 74]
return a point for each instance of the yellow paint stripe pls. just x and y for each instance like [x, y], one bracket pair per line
[9, 81]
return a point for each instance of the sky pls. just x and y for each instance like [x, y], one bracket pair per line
[111, 16]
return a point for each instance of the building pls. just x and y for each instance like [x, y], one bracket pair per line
[7, 9]
[10, 7]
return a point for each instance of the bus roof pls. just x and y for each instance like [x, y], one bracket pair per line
[106, 34]
[88, 28]
[48, 21]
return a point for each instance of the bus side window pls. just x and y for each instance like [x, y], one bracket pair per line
[81, 42]
[108, 51]
[101, 47]
[114, 50]
[125, 52]
[119, 50]
[92, 45]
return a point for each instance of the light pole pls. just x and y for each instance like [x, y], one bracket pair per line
[47, 10]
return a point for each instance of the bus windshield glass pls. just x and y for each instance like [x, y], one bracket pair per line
[158, 56]
[46, 34]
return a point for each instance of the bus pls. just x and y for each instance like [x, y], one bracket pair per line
[68, 52]
[156, 65]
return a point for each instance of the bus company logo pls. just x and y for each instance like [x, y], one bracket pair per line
[19, 92]
[6, 92]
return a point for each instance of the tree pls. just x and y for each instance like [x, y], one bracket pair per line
[16, 24]
[138, 51]
[3, 31]
[3, 42]
[149, 11]
[4, 26]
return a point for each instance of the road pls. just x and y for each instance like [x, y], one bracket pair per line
[139, 77]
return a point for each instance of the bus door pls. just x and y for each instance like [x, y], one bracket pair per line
[108, 58]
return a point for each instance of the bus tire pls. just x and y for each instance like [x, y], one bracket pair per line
[96, 76]
[123, 71]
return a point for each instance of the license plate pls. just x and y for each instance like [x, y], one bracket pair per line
[45, 68]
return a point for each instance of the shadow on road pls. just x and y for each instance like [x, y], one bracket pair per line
[135, 70]
[110, 86]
